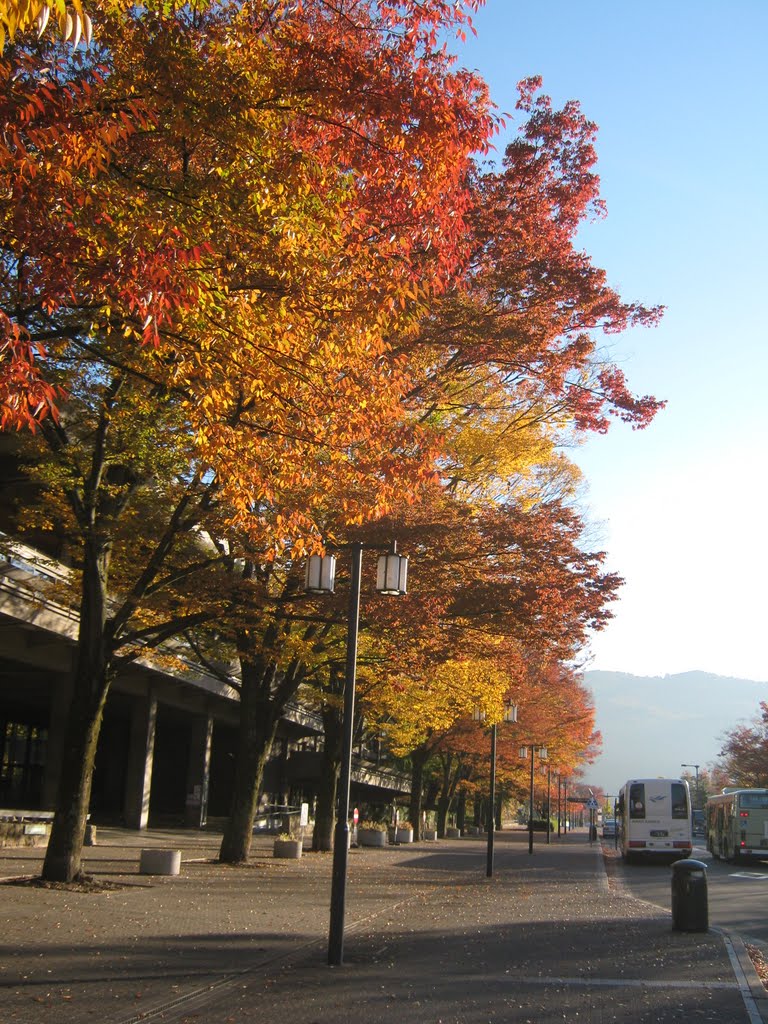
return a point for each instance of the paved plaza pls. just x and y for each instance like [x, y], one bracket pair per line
[429, 940]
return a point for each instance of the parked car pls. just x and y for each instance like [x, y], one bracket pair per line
[609, 828]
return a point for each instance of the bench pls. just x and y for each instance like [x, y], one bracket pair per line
[24, 828]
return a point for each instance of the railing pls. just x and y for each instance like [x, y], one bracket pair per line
[277, 818]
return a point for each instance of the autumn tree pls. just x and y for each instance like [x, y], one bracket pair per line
[245, 216]
[744, 756]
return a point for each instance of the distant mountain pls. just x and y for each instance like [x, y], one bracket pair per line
[653, 724]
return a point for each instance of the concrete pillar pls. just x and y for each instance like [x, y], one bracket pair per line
[198, 772]
[140, 755]
[61, 696]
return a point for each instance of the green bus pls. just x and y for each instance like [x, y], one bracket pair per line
[737, 824]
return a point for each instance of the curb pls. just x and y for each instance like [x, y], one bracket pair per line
[753, 991]
[757, 1000]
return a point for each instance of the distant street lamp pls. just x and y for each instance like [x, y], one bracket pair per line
[542, 752]
[510, 715]
[320, 577]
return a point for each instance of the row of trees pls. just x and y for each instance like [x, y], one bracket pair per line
[259, 293]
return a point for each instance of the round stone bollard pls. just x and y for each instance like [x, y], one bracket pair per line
[160, 862]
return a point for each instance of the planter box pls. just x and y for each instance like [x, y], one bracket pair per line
[404, 835]
[288, 849]
[429, 835]
[453, 833]
[371, 837]
[159, 862]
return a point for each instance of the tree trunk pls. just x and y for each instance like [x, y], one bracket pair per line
[259, 717]
[443, 806]
[418, 761]
[446, 797]
[63, 856]
[325, 813]
[461, 811]
[452, 775]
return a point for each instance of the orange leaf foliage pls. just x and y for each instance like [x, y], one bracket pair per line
[237, 205]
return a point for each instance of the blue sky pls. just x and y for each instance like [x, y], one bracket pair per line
[680, 94]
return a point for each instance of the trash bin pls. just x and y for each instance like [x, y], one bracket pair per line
[690, 910]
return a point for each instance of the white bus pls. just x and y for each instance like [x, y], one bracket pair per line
[654, 819]
[737, 824]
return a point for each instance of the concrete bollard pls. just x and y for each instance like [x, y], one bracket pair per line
[160, 862]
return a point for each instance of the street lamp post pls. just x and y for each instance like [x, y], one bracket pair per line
[542, 751]
[562, 807]
[547, 770]
[565, 805]
[510, 715]
[391, 578]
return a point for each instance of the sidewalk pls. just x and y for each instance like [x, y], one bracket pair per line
[429, 940]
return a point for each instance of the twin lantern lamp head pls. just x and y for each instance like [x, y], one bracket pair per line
[540, 750]
[391, 574]
[509, 713]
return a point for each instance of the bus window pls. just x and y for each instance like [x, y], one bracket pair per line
[679, 802]
[637, 800]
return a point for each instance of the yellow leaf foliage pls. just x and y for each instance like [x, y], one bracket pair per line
[417, 708]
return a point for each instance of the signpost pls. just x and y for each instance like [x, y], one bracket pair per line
[591, 806]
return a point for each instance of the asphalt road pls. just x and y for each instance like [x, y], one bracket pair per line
[738, 895]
